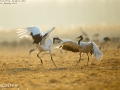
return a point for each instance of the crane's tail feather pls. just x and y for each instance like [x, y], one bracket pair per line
[97, 53]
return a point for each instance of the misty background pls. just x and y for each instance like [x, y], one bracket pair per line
[68, 16]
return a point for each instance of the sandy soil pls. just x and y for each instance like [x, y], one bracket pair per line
[19, 72]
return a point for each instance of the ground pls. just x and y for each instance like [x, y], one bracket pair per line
[18, 71]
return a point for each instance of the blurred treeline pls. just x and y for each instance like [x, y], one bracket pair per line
[29, 43]
[21, 43]
[9, 38]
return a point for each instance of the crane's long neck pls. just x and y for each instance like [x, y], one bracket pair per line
[80, 40]
[57, 39]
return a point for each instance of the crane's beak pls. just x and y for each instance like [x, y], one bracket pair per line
[79, 37]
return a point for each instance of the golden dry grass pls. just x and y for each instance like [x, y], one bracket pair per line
[28, 74]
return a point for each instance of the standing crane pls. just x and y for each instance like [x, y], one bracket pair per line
[82, 47]
[40, 40]
[104, 41]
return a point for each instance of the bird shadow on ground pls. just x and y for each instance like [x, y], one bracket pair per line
[57, 69]
[40, 68]
[15, 70]
[32, 69]
[21, 69]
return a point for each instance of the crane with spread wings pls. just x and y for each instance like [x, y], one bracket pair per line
[40, 40]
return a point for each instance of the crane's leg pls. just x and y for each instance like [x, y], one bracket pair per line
[52, 59]
[31, 51]
[88, 59]
[106, 47]
[79, 58]
[100, 47]
[91, 52]
[103, 48]
[40, 58]
[60, 50]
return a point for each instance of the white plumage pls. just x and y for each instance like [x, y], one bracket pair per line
[91, 47]
[102, 41]
[97, 53]
[25, 32]
[41, 41]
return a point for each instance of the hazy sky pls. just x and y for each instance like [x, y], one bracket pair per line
[48, 13]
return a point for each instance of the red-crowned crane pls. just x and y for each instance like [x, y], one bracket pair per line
[82, 47]
[41, 41]
[104, 41]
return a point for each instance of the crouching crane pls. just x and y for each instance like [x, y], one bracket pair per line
[82, 47]
[58, 41]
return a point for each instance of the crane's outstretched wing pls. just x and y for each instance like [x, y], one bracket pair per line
[26, 32]
[84, 33]
[35, 32]
[46, 35]
[87, 37]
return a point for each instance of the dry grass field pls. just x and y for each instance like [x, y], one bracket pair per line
[24, 73]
